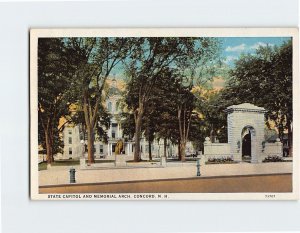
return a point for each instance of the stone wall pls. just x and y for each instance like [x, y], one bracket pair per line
[273, 149]
[242, 119]
[216, 150]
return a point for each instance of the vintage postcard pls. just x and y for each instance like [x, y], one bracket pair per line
[164, 114]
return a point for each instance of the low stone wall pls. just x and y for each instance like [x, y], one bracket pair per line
[216, 150]
[222, 150]
[273, 149]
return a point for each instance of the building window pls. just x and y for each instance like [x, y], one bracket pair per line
[70, 131]
[101, 149]
[70, 150]
[94, 149]
[113, 134]
[109, 106]
[114, 125]
[70, 140]
[117, 106]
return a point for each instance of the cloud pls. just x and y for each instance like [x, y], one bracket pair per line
[244, 47]
[230, 59]
[237, 48]
[258, 44]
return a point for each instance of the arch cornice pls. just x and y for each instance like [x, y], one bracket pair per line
[245, 107]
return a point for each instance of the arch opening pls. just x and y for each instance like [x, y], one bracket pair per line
[247, 137]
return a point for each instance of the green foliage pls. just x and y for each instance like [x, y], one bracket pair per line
[95, 59]
[210, 106]
[273, 158]
[55, 72]
[100, 128]
[161, 63]
[57, 142]
[265, 79]
[160, 110]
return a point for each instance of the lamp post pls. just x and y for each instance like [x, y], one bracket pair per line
[198, 167]
[72, 175]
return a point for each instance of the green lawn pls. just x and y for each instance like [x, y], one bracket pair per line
[65, 162]
[42, 166]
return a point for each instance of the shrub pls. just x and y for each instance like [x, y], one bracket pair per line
[272, 158]
[224, 159]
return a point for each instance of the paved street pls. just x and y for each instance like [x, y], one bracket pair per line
[230, 184]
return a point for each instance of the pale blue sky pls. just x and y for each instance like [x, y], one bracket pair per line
[233, 47]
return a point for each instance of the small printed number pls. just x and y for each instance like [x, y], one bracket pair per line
[270, 196]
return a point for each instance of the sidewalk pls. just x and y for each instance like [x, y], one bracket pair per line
[60, 175]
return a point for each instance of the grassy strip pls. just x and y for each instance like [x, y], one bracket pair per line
[42, 166]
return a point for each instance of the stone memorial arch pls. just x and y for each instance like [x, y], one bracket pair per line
[246, 125]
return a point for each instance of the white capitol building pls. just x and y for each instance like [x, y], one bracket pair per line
[73, 136]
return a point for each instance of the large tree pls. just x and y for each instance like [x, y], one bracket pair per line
[194, 71]
[96, 58]
[211, 106]
[152, 120]
[159, 120]
[265, 79]
[154, 56]
[185, 110]
[55, 72]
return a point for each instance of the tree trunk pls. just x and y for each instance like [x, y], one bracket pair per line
[51, 145]
[280, 131]
[179, 152]
[212, 134]
[165, 147]
[137, 137]
[150, 151]
[290, 137]
[138, 115]
[90, 122]
[90, 145]
[49, 155]
[182, 150]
